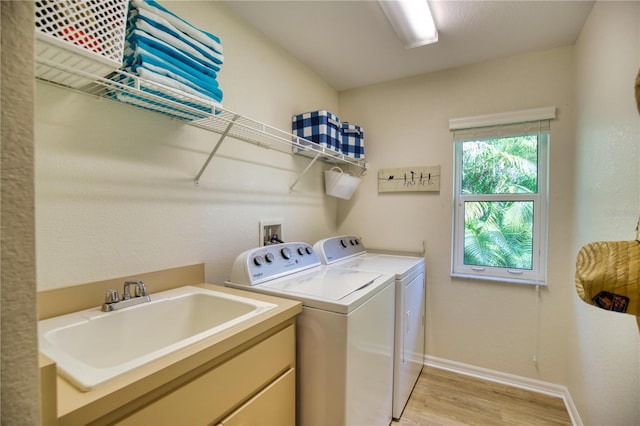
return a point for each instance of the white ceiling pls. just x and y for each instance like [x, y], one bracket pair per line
[351, 43]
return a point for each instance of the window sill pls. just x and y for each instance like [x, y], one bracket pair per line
[499, 279]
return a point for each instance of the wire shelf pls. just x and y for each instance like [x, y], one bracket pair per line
[123, 87]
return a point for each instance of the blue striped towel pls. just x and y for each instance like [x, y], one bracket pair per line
[140, 55]
[169, 53]
[176, 40]
[150, 75]
[184, 26]
[141, 47]
[148, 99]
[133, 65]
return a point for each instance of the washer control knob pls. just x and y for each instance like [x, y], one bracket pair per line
[309, 250]
[286, 253]
[343, 243]
[258, 260]
[269, 257]
[301, 251]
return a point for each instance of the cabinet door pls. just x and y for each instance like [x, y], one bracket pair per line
[207, 398]
[275, 405]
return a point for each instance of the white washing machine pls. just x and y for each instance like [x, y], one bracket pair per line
[345, 333]
[348, 252]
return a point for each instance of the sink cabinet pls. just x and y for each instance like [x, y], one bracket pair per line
[256, 386]
[274, 405]
[244, 371]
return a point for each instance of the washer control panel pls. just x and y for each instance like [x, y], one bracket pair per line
[273, 261]
[337, 248]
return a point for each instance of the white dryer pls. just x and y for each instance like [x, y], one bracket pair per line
[345, 333]
[348, 252]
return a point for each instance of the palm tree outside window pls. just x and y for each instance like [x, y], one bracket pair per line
[500, 199]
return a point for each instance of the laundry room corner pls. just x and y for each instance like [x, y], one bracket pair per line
[487, 324]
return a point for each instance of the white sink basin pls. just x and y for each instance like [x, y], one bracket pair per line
[91, 347]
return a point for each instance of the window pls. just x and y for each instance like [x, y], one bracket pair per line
[500, 196]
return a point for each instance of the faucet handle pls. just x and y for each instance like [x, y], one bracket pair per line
[111, 296]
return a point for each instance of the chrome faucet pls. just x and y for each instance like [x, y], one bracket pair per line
[112, 301]
[140, 289]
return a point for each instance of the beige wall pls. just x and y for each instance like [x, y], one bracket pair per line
[604, 362]
[485, 324]
[19, 377]
[114, 191]
[114, 184]
[594, 195]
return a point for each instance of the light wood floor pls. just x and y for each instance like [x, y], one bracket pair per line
[444, 398]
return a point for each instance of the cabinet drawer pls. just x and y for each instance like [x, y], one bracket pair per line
[274, 405]
[208, 397]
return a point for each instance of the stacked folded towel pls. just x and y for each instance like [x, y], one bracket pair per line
[163, 48]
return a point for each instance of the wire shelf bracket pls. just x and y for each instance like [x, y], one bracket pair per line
[214, 150]
[123, 87]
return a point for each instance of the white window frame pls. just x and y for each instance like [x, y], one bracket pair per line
[494, 126]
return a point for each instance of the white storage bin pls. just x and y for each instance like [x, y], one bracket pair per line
[339, 184]
[84, 35]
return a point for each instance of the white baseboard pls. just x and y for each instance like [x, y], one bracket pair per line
[526, 383]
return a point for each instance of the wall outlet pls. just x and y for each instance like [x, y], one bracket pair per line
[270, 232]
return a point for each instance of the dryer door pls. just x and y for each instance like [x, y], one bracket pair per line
[413, 345]
[410, 335]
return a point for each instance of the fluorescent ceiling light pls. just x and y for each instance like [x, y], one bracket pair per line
[412, 21]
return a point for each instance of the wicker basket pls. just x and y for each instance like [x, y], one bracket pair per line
[83, 35]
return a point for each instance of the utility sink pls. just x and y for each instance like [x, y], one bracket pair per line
[91, 347]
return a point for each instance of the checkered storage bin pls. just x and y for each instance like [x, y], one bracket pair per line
[352, 140]
[321, 127]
